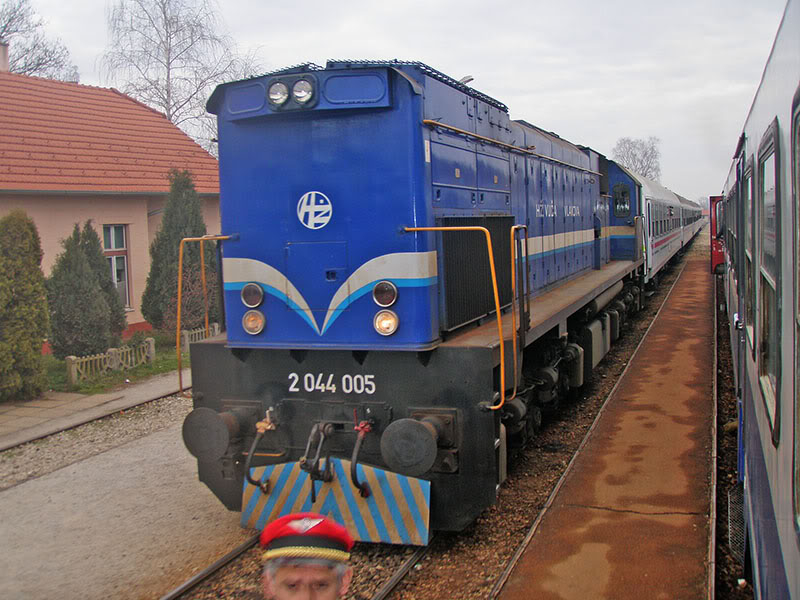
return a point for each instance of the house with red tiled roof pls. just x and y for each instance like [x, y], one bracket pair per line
[71, 152]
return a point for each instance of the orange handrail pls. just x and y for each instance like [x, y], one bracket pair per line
[514, 230]
[496, 300]
[180, 293]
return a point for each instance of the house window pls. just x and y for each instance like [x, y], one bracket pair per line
[115, 249]
[769, 276]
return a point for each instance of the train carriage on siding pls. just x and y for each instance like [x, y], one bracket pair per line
[410, 279]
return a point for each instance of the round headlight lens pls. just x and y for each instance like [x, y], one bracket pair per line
[252, 295]
[253, 322]
[386, 322]
[384, 293]
[278, 93]
[302, 91]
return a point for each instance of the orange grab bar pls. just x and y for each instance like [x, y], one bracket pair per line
[180, 293]
[496, 300]
[514, 230]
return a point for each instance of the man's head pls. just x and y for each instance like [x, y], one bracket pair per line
[306, 558]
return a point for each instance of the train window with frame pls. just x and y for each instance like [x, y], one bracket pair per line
[769, 275]
[622, 200]
[656, 217]
[750, 291]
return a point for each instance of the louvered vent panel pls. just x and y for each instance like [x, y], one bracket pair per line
[467, 279]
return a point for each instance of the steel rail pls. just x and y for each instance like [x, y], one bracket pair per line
[401, 572]
[711, 591]
[211, 569]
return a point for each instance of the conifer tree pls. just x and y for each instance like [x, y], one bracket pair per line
[93, 249]
[79, 313]
[23, 309]
[183, 217]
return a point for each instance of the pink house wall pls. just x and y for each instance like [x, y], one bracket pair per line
[56, 215]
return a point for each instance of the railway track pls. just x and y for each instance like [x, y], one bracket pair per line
[184, 589]
[474, 560]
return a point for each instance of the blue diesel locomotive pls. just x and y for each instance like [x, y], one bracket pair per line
[411, 279]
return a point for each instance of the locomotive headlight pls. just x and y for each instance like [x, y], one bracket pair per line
[278, 93]
[253, 322]
[252, 295]
[384, 293]
[386, 322]
[302, 91]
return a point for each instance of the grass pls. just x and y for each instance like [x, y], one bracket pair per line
[165, 361]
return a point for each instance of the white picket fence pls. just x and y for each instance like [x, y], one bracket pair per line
[195, 335]
[83, 368]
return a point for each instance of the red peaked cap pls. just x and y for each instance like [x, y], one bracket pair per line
[306, 535]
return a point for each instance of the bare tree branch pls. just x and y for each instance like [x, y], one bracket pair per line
[641, 156]
[30, 52]
[170, 54]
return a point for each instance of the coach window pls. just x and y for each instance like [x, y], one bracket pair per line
[115, 249]
[622, 200]
[750, 293]
[732, 248]
[769, 276]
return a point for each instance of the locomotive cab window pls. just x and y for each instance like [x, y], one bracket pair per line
[622, 200]
[769, 275]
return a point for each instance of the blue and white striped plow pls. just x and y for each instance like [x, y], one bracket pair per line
[396, 512]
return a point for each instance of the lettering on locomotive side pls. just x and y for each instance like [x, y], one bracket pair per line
[551, 210]
[546, 210]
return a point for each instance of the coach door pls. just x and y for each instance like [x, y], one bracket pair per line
[717, 235]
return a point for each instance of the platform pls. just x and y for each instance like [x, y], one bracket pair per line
[632, 516]
[27, 420]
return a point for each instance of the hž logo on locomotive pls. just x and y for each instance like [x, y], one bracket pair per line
[314, 210]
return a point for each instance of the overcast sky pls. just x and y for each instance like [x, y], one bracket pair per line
[590, 71]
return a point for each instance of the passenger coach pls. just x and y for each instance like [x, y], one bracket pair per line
[758, 225]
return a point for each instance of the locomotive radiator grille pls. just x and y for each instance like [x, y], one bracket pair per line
[466, 277]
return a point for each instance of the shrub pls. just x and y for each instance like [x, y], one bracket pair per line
[79, 313]
[193, 304]
[183, 217]
[93, 249]
[23, 309]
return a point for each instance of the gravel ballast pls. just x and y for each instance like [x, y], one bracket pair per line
[43, 456]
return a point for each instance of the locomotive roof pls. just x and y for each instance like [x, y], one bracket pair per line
[687, 202]
[404, 65]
